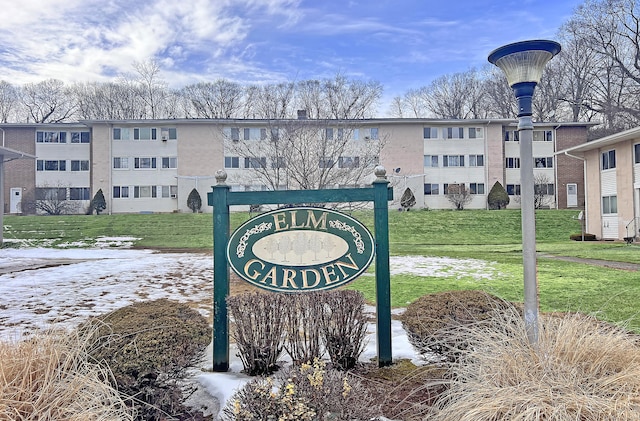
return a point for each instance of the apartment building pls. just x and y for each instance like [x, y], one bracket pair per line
[612, 177]
[152, 165]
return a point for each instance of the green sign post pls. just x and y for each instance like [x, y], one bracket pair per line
[269, 272]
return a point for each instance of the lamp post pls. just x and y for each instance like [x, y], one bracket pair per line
[523, 63]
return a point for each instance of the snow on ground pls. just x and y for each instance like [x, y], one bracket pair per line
[42, 288]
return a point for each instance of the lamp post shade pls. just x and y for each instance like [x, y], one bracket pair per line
[524, 61]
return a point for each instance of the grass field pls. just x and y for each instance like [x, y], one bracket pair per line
[492, 236]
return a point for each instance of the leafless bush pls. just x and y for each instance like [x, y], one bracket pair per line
[309, 391]
[260, 330]
[344, 326]
[304, 342]
[430, 320]
[580, 369]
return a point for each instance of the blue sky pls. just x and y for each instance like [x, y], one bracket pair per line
[401, 43]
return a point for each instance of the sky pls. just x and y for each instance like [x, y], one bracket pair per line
[402, 44]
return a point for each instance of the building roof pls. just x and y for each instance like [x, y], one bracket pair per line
[11, 154]
[603, 142]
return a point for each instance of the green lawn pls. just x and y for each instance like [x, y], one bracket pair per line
[492, 236]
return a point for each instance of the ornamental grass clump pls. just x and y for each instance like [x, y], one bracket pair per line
[307, 392]
[51, 377]
[580, 369]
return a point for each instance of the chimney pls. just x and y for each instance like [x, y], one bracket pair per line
[302, 114]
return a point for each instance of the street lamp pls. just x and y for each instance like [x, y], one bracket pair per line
[523, 63]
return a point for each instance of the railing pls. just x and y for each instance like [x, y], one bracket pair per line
[633, 230]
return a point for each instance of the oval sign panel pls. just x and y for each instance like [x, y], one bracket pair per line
[300, 249]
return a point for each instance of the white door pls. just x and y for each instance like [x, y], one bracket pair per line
[15, 203]
[572, 195]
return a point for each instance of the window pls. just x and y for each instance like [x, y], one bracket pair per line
[144, 133]
[51, 165]
[457, 188]
[120, 192]
[140, 192]
[51, 193]
[278, 162]
[544, 189]
[169, 162]
[430, 132]
[235, 134]
[609, 159]
[636, 152]
[374, 133]
[79, 193]
[51, 137]
[513, 189]
[543, 135]
[453, 160]
[511, 136]
[121, 133]
[144, 163]
[475, 132]
[80, 165]
[348, 162]
[512, 163]
[79, 137]
[328, 133]
[326, 163]
[275, 134]
[355, 135]
[255, 162]
[170, 191]
[476, 188]
[253, 134]
[609, 204]
[231, 162]
[546, 162]
[476, 160]
[168, 133]
[431, 161]
[431, 189]
[121, 163]
[455, 132]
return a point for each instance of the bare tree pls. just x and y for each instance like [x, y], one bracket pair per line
[48, 101]
[543, 191]
[304, 154]
[9, 102]
[53, 200]
[152, 87]
[458, 195]
[351, 99]
[611, 28]
[219, 99]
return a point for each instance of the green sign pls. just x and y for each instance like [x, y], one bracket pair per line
[300, 249]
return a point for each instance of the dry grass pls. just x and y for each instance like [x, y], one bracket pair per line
[581, 369]
[50, 377]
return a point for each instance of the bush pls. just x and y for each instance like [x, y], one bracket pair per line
[51, 377]
[344, 326]
[259, 330]
[580, 369]
[498, 197]
[194, 202]
[98, 203]
[148, 346]
[309, 391]
[301, 323]
[430, 320]
[304, 335]
[578, 237]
